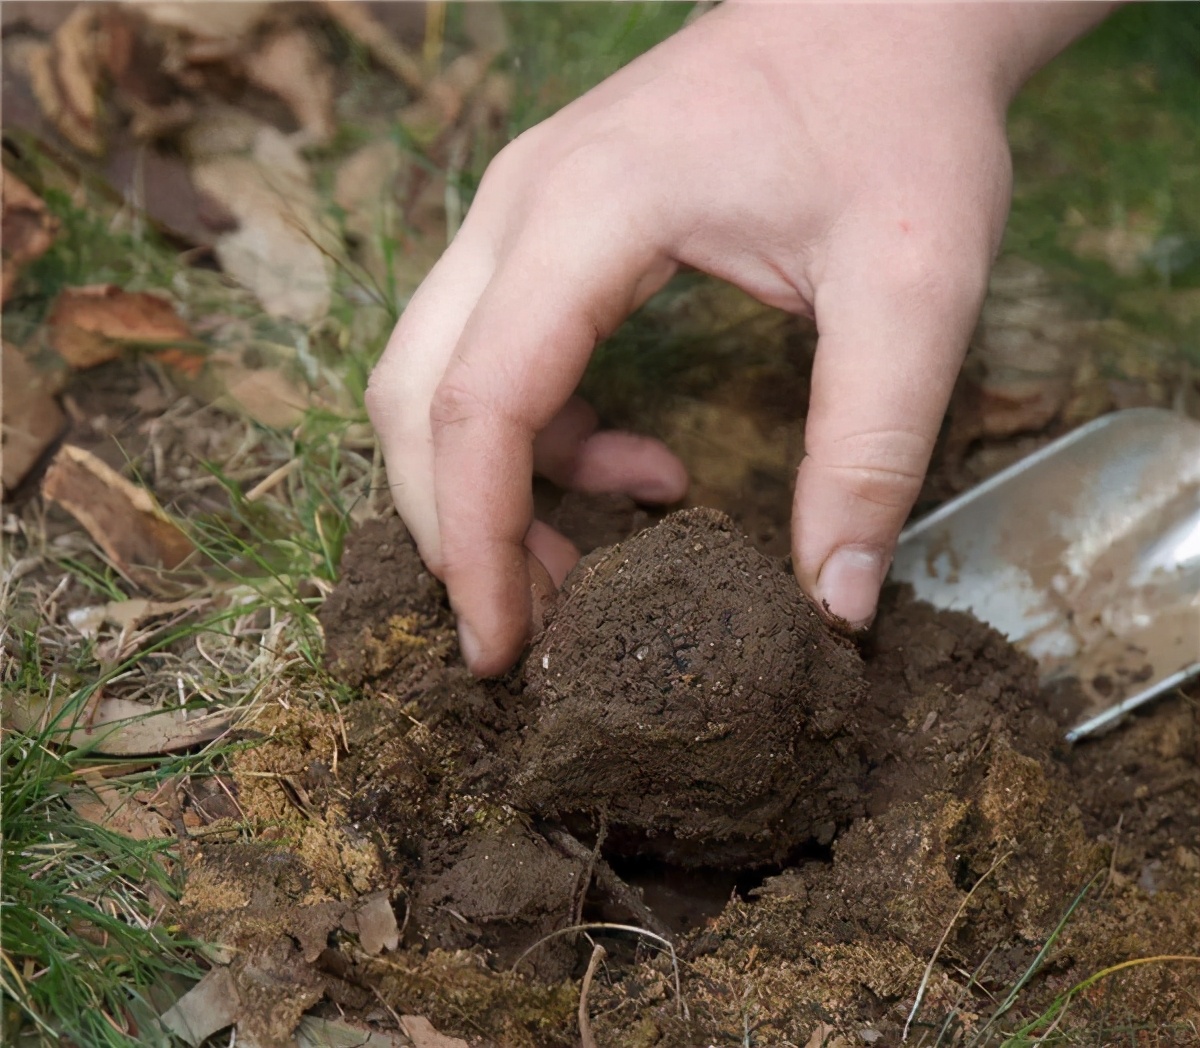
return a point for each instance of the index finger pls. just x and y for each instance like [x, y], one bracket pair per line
[520, 357]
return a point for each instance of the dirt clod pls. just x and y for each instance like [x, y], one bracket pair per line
[689, 692]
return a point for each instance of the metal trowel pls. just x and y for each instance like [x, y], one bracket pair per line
[1086, 555]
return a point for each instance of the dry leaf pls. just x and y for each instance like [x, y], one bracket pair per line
[374, 922]
[264, 394]
[274, 251]
[32, 419]
[365, 188]
[422, 1034]
[93, 324]
[162, 184]
[28, 230]
[825, 1036]
[211, 1005]
[65, 77]
[1012, 404]
[124, 614]
[103, 804]
[486, 27]
[35, 15]
[120, 727]
[289, 66]
[365, 180]
[123, 519]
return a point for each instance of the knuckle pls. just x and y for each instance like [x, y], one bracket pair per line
[376, 396]
[885, 468]
[385, 401]
[452, 404]
[511, 166]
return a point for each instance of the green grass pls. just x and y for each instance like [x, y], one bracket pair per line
[83, 956]
[1108, 137]
[86, 954]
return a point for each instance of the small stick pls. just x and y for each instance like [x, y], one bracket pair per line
[272, 480]
[607, 880]
[586, 1038]
[681, 1004]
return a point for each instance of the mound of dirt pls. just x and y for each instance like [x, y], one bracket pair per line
[873, 811]
[688, 693]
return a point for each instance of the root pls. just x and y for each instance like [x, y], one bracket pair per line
[666, 944]
[606, 879]
[586, 1038]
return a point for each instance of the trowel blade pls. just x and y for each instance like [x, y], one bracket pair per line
[1086, 555]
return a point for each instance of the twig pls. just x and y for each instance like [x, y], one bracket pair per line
[586, 1038]
[607, 880]
[588, 872]
[272, 480]
[942, 942]
[605, 926]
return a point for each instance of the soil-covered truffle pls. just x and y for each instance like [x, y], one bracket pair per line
[689, 695]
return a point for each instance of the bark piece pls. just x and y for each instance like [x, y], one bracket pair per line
[32, 419]
[124, 520]
[28, 230]
[94, 324]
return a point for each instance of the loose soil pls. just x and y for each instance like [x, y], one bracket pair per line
[688, 748]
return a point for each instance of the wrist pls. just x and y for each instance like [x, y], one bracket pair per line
[1000, 43]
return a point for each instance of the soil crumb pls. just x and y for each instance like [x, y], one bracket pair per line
[899, 816]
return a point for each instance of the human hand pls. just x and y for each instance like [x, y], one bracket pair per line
[843, 162]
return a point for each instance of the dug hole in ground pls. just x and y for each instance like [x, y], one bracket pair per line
[814, 836]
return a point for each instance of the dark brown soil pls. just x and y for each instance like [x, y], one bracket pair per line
[688, 694]
[869, 811]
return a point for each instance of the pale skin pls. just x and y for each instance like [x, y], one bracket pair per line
[842, 162]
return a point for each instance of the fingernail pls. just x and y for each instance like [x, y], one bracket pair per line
[468, 644]
[848, 585]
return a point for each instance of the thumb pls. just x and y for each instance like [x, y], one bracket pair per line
[888, 354]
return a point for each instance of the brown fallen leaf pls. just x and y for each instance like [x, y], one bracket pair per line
[32, 419]
[825, 1036]
[422, 1034]
[288, 65]
[274, 251]
[265, 395]
[101, 803]
[125, 614]
[34, 15]
[1012, 404]
[124, 520]
[486, 27]
[374, 922]
[119, 727]
[211, 1005]
[27, 232]
[93, 324]
[65, 77]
